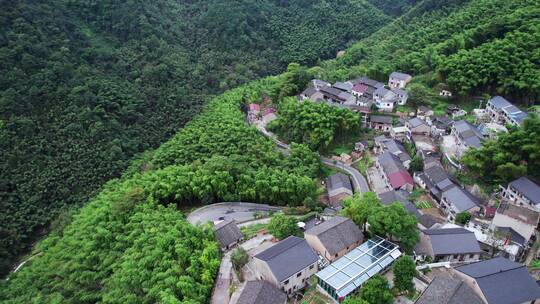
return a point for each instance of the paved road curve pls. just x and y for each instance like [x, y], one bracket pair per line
[359, 181]
[239, 211]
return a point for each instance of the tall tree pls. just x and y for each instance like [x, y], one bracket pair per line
[377, 290]
[394, 222]
[282, 226]
[404, 272]
[360, 206]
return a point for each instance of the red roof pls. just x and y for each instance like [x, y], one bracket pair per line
[269, 110]
[490, 212]
[360, 88]
[254, 107]
[400, 178]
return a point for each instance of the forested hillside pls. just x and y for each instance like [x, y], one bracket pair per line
[131, 244]
[473, 47]
[85, 85]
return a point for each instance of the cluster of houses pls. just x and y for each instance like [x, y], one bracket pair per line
[480, 259]
[361, 93]
[336, 254]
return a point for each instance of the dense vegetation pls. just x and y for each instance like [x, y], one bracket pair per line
[473, 47]
[394, 7]
[314, 124]
[86, 85]
[131, 244]
[508, 157]
[392, 222]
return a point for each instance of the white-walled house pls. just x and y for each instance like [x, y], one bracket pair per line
[399, 80]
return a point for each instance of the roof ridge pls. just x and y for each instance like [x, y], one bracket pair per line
[500, 271]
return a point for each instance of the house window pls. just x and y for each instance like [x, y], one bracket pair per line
[286, 282]
[311, 267]
[336, 255]
[298, 274]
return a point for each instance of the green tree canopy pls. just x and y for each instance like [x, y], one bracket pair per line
[395, 223]
[360, 206]
[404, 270]
[282, 226]
[377, 290]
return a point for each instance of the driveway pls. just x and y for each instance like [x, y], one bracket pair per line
[239, 211]
[449, 145]
[359, 181]
[377, 182]
[220, 293]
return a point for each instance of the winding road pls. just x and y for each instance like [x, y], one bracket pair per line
[359, 181]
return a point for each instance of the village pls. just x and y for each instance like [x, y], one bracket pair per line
[474, 247]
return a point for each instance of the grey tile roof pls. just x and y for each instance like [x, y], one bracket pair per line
[416, 122]
[519, 117]
[400, 92]
[344, 86]
[400, 76]
[460, 199]
[390, 163]
[369, 82]
[337, 234]
[392, 196]
[428, 220]
[436, 174]
[331, 91]
[288, 257]
[523, 214]
[382, 91]
[444, 290]
[451, 241]
[503, 281]
[261, 292]
[511, 110]
[499, 102]
[309, 92]
[528, 188]
[227, 232]
[381, 119]
[338, 180]
[468, 133]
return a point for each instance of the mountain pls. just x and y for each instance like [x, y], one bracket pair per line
[470, 47]
[131, 243]
[86, 85]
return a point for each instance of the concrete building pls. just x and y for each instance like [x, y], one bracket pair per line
[393, 172]
[385, 100]
[399, 80]
[500, 281]
[380, 123]
[457, 200]
[334, 238]
[522, 192]
[339, 187]
[448, 290]
[261, 292]
[448, 245]
[418, 126]
[287, 265]
[522, 220]
[467, 136]
[501, 111]
[228, 234]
